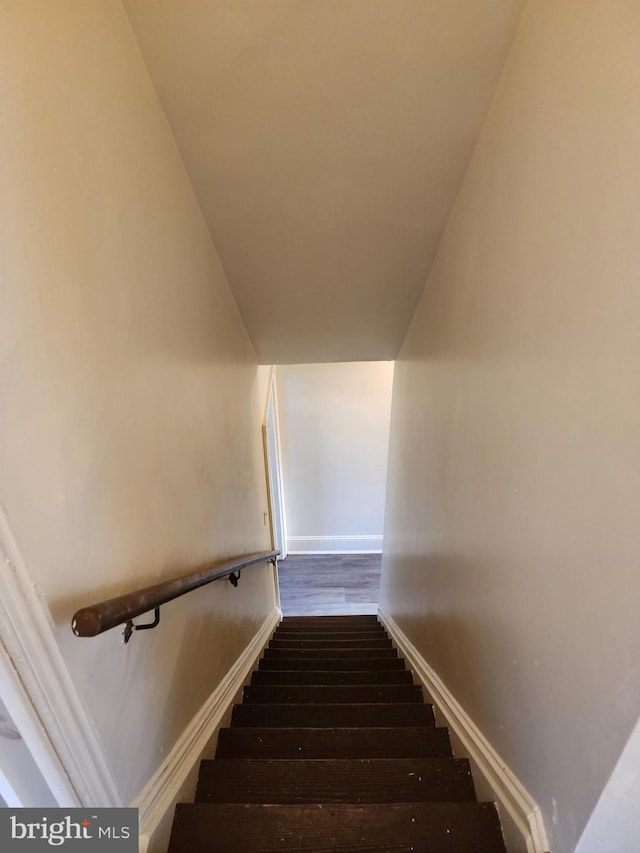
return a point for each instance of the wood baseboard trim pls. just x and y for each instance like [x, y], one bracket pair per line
[509, 791]
[361, 544]
[160, 793]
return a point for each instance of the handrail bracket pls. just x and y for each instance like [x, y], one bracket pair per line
[129, 627]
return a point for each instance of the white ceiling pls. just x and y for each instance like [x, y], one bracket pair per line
[326, 141]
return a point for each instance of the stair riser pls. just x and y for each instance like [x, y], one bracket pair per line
[425, 742]
[333, 781]
[331, 694]
[314, 677]
[332, 716]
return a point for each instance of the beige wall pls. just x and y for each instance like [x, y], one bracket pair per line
[334, 427]
[512, 537]
[130, 444]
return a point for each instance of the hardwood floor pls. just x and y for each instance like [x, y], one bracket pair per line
[329, 584]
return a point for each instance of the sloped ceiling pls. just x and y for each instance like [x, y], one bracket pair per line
[326, 141]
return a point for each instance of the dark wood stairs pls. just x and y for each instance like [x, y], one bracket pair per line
[334, 749]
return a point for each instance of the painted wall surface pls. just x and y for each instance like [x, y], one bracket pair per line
[131, 401]
[334, 421]
[512, 538]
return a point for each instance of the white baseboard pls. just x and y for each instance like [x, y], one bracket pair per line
[161, 792]
[40, 694]
[367, 544]
[509, 791]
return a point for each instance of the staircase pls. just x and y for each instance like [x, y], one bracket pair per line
[334, 749]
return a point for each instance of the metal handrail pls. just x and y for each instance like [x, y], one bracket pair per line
[93, 620]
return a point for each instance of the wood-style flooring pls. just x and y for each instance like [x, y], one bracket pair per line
[330, 584]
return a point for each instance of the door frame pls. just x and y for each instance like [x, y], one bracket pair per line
[273, 469]
[39, 693]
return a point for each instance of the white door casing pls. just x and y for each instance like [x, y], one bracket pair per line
[39, 694]
[273, 456]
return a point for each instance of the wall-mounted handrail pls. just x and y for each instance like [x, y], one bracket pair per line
[93, 620]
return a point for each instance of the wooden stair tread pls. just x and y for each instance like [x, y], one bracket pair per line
[329, 780]
[340, 828]
[314, 676]
[331, 653]
[333, 694]
[341, 634]
[331, 664]
[333, 716]
[381, 642]
[299, 743]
